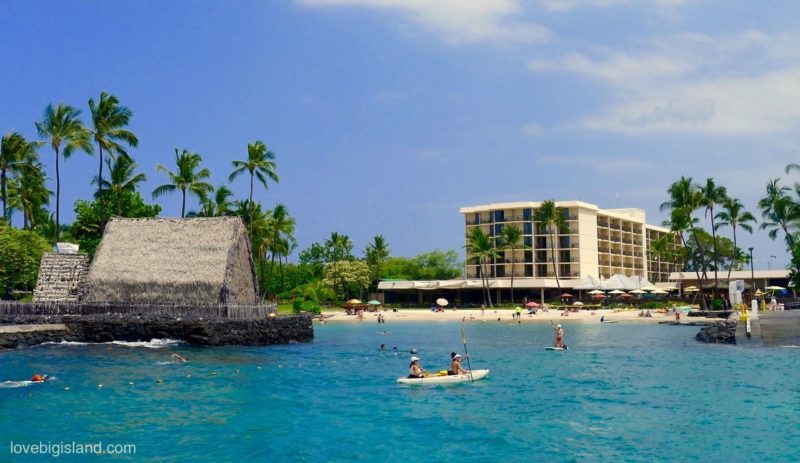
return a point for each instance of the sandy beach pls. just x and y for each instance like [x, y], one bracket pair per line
[505, 316]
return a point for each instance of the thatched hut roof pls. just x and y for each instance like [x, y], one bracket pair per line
[173, 261]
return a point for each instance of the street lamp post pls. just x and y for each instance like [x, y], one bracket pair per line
[752, 275]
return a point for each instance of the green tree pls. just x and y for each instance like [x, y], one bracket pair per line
[735, 216]
[434, 265]
[481, 249]
[91, 216]
[28, 193]
[20, 254]
[279, 239]
[314, 257]
[713, 195]
[551, 218]
[511, 238]
[218, 206]
[122, 177]
[779, 212]
[260, 164]
[187, 178]
[109, 120]
[60, 126]
[339, 247]
[376, 254]
[16, 153]
[685, 199]
[347, 276]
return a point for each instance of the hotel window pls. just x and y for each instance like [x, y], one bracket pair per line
[477, 218]
[526, 214]
[563, 242]
[528, 241]
[527, 228]
[529, 270]
[499, 216]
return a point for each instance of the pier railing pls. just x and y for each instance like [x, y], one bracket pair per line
[240, 312]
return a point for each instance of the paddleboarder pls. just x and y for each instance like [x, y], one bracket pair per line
[559, 342]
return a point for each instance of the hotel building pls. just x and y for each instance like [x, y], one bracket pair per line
[598, 243]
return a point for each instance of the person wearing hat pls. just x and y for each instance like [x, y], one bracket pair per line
[415, 370]
[455, 365]
[559, 342]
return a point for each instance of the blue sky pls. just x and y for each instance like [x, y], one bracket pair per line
[386, 116]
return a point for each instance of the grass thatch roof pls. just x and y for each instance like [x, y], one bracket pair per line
[178, 261]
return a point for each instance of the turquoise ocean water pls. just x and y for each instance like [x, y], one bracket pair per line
[623, 392]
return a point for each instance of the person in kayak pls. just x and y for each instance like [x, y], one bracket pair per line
[455, 365]
[559, 342]
[415, 370]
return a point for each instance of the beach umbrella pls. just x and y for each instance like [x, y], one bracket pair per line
[354, 301]
[616, 291]
[670, 288]
[532, 304]
[578, 303]
[596, 291]
[638, 291]
[374, 302]
[648, 288]
[566, 296]
[626, 296]
[775, 288]
[442, 301]
[598, 296]
[660, 291]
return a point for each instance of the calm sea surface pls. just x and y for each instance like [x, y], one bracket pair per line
[623, 392]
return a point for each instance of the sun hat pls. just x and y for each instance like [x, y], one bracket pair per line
[415, 359]
[457, 356]
[559, 325]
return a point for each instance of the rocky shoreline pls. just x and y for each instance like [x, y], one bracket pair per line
[119, 327]
[718, 333]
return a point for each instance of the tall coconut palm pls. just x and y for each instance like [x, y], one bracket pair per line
[187, 178]
[279, 235]
[779, 212]
[109, 120]
[685, 198]
[481, 249]
[713, 195]
[733, 215]
[376, 254]
[15, 153]
[512, 239]
[260, 164]
[60, 127]
[122, 178]
[661, 249]
[551, 218]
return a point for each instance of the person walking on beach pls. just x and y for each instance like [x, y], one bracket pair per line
[518, 311]
[559, 342]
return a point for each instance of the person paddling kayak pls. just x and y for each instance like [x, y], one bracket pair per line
[415, 370]
[455, 365]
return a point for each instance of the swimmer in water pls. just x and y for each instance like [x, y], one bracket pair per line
[178, 358]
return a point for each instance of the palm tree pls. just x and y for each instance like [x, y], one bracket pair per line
[711, 196]
[28, 193]
[108, 122]
[339, 247]
[187, 177]
[260, 164]
[661, 248]
[551, 218]
[218, 206]
[685, 198]
[376, 254]
[480, 247]
[511, 239]
[279, 237]
[60, 126]
[15, 153]
[733, 215]
[779, 212]
[122, 178]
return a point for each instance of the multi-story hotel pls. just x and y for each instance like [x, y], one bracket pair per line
[598, 243]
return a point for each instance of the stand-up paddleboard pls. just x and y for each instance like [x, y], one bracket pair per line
[446, 379]
[556, 348]
[610, 321]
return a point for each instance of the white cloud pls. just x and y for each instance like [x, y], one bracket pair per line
[618, 165]
[692, 83]
[567, 5]
[533, 130]
[458, 21]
